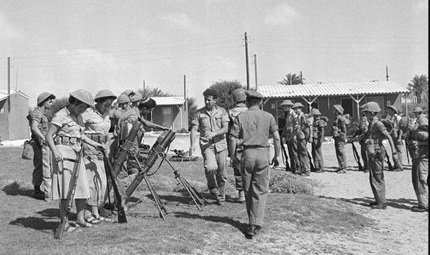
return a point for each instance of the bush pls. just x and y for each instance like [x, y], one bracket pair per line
[284, 182]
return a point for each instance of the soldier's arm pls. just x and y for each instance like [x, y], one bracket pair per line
[150, 124]
[193, 138]
[52, 130]
[277, 147]
[36, 131]
[390, 141]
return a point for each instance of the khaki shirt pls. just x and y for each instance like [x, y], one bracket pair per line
[67, 124]
[210, 122]
[40, 117]
[376, 128]
[290, 122]
[254, 127]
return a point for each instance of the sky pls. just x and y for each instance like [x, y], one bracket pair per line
[61, 46]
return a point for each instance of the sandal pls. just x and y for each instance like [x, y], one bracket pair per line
[69, 228]
[92, 220]
[101, 218]
[84, 225]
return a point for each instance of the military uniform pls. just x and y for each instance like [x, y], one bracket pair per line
[254, 127]
[339, 135]
[291, 137]
[396, 135]
[364, 125]
[214, 151]
[302, 133]
[317, 139]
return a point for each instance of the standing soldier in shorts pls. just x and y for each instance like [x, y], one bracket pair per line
[376, 153]
[42, 153]
[239, 98]
[254, 127]
[339, 135]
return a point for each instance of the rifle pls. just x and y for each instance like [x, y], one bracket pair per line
[70, 194]
[122, 218]
[356, 156]
[124, 148]
[284, 152]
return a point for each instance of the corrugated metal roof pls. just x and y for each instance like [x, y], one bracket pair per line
[3, 94]
[332, 89]
[169, 100]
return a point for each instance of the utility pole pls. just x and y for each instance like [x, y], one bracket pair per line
[247, 66]
[255, 68]
[185, 93]
[8, 84]
[144, 87]
[386, 72]
[301, 77]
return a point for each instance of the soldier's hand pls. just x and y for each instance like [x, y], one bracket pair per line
[192, 150]
[275, 162]
[58, 156]
[210, 135]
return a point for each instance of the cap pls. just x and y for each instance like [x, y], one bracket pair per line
[417, 109]
[136, 97]
[84, 96]
[392, 107]
[104, 93]
[287, 102]
[315, 111]
[123, 98]
[128, 92]
[253, 94]
[297, 105]
[43, 97]
[239, 95]
[338, 108]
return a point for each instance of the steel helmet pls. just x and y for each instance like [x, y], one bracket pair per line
[128, 92]
[418, 109]
[239, 95]
[136, 97]
[297, 105]
[104, 93]
[287, 102]
[315, 111]
[394, 108]
[43, 97]
[123, 98]
[371, 107]
[84, 96]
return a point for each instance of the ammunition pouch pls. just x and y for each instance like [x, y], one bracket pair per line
[65, 140]
[98, 138]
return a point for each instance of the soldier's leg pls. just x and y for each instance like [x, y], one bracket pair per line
[302, 152]
[398, 164]
[38, 171]
[211, 167]
[260, 187]
[248, 161]
[316, 155]
[291, 152]
[295, 157]
[364, 156]
[46, 172]
[221, 176]
[377, 181]
[422, 177]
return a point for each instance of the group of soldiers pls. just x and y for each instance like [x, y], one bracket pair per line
[83, 135]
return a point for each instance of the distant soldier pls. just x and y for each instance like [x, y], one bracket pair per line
[289, 137]
[376, 152]
[42, 153]
[339, 135]
[364, 125]
[302, 131]
[239, 99]
[396, 134]
[318, 137]
[419, 144]
[254, 127]
[212, 121]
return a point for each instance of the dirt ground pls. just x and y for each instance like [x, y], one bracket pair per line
[398, 229]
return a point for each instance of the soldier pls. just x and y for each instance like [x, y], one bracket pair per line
[97, 125]
[396, 134]
[339, 135]
[375, 150]
[135, 100]
[42, 153]
[239, 99]
[65, 149]
[302, 132]
[419, 152]
[289, 137]
[212, 121]
[254, 128]
[318, 137]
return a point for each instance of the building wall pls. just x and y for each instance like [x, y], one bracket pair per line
[14, 124]
[170, 116]
[325, 105]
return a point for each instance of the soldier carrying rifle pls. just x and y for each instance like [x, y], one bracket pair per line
[317, 138]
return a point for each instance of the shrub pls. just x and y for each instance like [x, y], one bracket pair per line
[284, 182]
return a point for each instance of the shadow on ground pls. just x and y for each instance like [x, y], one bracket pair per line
[17, 189]
[401, 203]
[228, 220]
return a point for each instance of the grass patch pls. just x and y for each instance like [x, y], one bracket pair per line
[286, 182]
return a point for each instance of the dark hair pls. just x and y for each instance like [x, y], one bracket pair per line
[75, 101]
[210, 92]
[50, 97]
[148, 104]
[253, 101]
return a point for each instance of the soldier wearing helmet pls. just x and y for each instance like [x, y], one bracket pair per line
[97, 125]
[418, 146]
[67, 150]
[376, 153]
[318, 136]
[41, 159]
[289, 137]
[396, 133]
[239, 99]
[302, 131]
[339, 135]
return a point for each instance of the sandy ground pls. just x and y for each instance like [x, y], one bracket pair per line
[398, 230]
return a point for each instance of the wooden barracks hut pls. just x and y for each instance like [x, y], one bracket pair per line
[13, 122]
[323, 96]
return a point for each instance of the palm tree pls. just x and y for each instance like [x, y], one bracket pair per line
[292, 79]
[419, 86]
